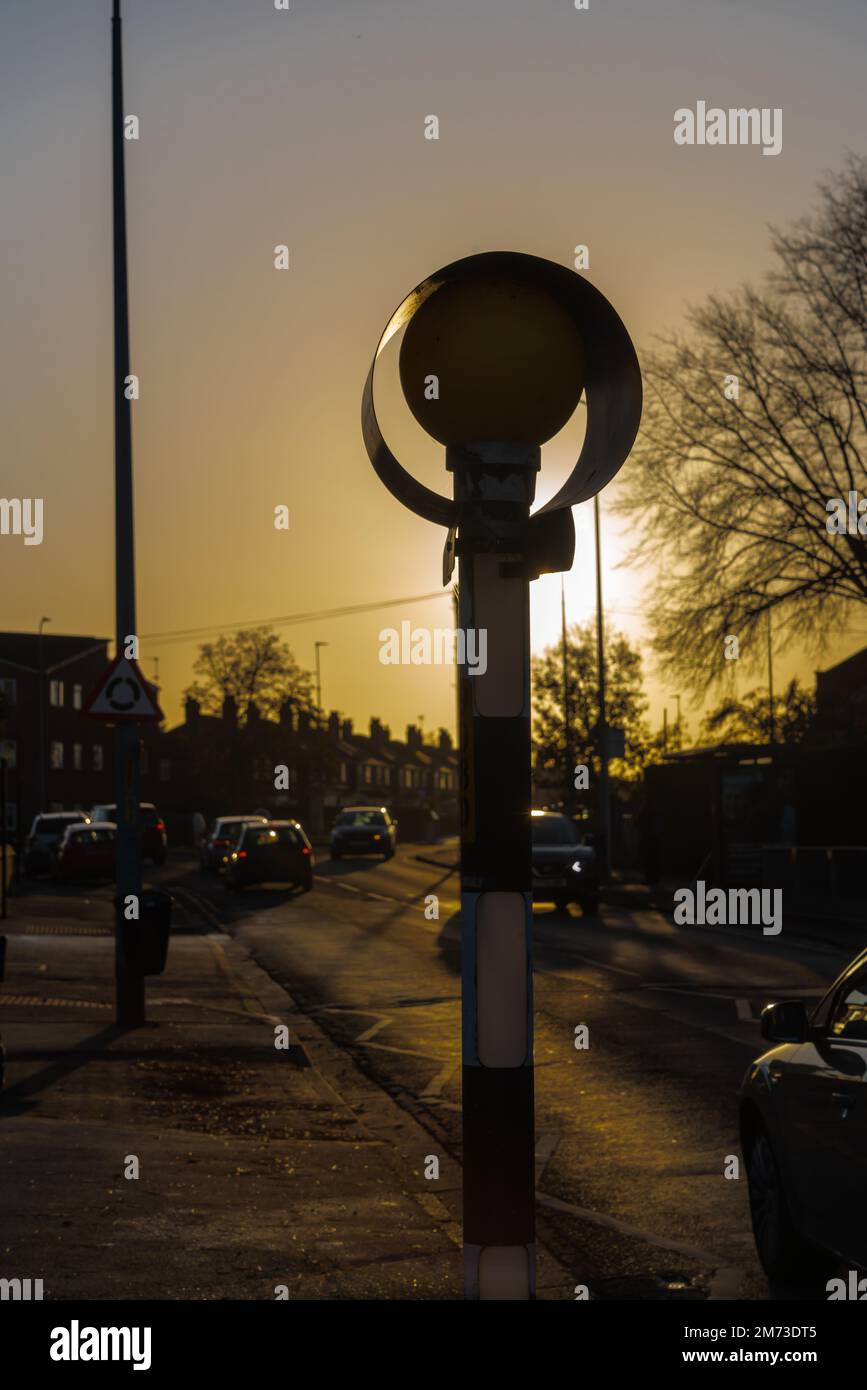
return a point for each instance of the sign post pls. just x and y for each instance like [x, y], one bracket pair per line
[496, 352]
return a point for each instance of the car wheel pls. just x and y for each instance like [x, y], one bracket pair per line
[305, 884]
[784, 1255]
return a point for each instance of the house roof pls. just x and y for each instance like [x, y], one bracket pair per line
[21, 649]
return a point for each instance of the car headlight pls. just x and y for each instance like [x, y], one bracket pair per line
[577, 867]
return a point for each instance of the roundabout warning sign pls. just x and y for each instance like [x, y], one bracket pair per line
[123, 694]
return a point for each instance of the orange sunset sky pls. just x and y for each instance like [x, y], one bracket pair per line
[261, 127]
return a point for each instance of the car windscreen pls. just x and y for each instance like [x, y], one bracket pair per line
[357, 818]
[89, 834]
[554, 830]
[277, 835]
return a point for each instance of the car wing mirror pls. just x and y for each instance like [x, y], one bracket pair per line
[786, 1022]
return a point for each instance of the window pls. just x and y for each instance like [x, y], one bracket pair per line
[96, 756]
[56, 755]
[9, 751]
[55, 693]
[8, 690]
[849, 1019]
[343, 773]
[165, 769]
[76, 756]
[76, 697]
[368, 774]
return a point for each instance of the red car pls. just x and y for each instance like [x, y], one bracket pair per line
[153, 829]
[86, 851]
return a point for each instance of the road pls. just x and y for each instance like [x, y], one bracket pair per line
[633, 1131]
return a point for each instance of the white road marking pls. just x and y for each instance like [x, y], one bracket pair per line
[623, 1227]
[405, 1051]
[373, 1030]
[443, 1076]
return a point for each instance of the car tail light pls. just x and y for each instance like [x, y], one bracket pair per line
[161, 825]
[242, 854]
[305, 850]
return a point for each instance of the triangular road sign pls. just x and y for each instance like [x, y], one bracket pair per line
[122, 694]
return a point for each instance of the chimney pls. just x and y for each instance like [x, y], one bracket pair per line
[303, 721]
[413, 736]
[253, 715]
[445, 741]
[347, 729]
[192, 709]
[334, 725]
[230, 709]
[375, 729]
[287, 714]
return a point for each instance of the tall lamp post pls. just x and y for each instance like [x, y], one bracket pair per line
[496, 351]
[129, 979]
[317, 645]
[43, 776]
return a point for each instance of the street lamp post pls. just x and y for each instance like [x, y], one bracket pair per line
[43, 776]
[603, 838]
[317, 645]
[496, 352]
[129, 979]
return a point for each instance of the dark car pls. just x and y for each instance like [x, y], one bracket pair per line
[86, 851]
[277, 851]
[564, 869]
[363, 830]
[218, 846]
[803, 1126]
[46, 832]
[153, 830]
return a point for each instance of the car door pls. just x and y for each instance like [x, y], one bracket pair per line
[845, 1047]
[824, 1121]
[289, 854]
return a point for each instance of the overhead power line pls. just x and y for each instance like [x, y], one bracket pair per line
[191, 634]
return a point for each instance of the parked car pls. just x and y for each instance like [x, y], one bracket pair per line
[46, 832]
[218, 846]
[86, 851]
[363, 830]
[153, 831]
[276, 851]
[803, 1127]
[564, 870]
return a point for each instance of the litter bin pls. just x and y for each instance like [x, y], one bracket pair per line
[147, 940]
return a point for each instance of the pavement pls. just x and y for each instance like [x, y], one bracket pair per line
[192, 1158]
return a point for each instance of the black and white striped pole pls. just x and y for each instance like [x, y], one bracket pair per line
[496, 352]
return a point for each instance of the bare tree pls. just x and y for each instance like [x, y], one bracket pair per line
[752, 424]
[253, 666]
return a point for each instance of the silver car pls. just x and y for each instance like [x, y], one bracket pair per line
[803, 1126]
